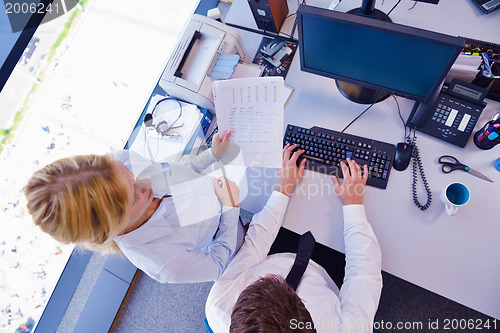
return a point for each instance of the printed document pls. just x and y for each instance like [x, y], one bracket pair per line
[252, 108]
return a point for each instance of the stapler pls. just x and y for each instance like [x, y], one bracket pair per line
[276, 52]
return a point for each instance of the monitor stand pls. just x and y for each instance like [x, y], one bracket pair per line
[353, 92]
[360, 95]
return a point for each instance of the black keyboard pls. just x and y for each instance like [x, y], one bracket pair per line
[324, 149]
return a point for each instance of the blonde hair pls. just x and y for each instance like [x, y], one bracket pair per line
[81, 200]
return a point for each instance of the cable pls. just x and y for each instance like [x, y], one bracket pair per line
[293, 28]
[265, 33]
[146, 144]
[362, 113]
[400, 116]
[418, 169]
[393, 7]
[294, 23]
[286, 35]
[286, 18]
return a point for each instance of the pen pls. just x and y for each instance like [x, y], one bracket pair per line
[493, 132]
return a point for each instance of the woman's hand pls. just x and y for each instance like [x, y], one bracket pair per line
[290, 175]
[352, 189]
[219, 146]
[227, 191]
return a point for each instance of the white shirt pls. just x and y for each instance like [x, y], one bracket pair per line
[331, 310]
[190, 237]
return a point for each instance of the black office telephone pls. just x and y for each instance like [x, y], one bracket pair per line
[453, 114]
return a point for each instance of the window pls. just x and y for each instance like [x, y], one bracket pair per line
[78, 88]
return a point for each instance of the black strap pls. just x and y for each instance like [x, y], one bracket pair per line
[304, 252]
[331, 260]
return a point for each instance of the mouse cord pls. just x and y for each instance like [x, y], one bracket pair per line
[406, 137]
[418, 169]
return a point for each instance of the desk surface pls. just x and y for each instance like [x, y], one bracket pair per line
[454, 256]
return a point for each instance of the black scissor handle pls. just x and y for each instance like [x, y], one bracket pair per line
[450, 163]
[446, 168]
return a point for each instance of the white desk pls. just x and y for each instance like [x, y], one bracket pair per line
[457, 257]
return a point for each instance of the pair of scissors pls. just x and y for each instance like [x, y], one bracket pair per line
[450, 163]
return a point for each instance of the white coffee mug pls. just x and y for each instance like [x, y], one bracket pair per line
[455, 196]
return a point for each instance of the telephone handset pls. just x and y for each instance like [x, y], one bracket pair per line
[419, 114]
[452, 115]
[421, 111]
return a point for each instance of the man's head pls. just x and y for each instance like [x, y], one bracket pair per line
[270, 305]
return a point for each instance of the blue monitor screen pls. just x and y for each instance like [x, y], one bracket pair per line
[375, 54]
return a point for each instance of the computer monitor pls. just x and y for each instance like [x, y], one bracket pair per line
[371, 58]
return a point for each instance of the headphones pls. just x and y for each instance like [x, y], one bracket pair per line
[163, 126]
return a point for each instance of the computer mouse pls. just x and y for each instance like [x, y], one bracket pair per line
[403, 156]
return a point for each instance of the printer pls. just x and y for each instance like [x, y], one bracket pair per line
[187, 73]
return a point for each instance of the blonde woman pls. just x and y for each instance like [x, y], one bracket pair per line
[169, 220]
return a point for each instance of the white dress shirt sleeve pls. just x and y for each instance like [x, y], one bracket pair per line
[207, 263]
[133, 160]
[360, 293]
[261, 233]
[198, 162]
[258, 240]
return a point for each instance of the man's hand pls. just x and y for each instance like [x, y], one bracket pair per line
[227, 191]
[219, 146]
[352, 189]
[290, 175]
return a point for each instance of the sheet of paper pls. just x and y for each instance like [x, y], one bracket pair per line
[245, 70]
[252, 108]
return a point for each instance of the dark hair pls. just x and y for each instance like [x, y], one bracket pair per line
[270, 305]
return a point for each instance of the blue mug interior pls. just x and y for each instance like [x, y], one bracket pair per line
[457, 193]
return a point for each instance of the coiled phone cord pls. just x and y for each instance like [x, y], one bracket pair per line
[417, 166]
[418, 169]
